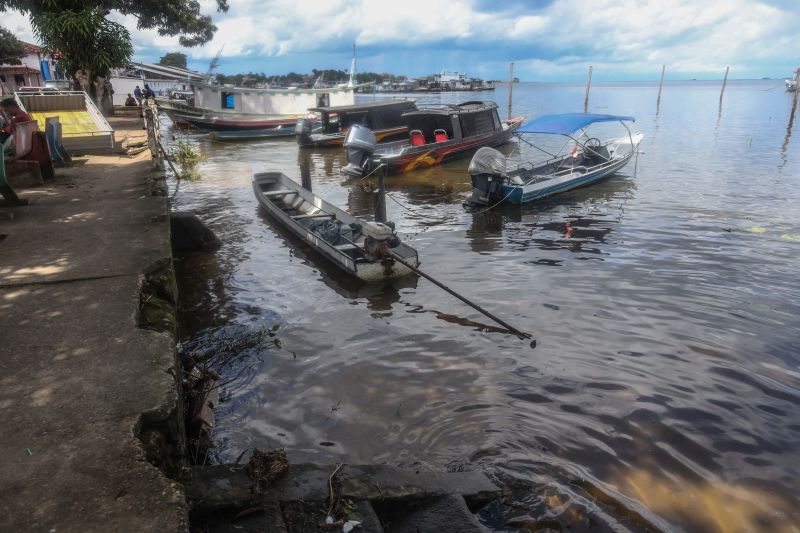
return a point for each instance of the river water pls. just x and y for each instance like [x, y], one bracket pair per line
[663, 390]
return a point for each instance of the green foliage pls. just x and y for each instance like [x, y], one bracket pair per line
[173, 59]
[88, 41]
[188, 157]
[11, 49]
[169, 17]
[252, 79]
[85, 39]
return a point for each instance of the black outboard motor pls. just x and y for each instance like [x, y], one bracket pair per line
[488, 173]
[302, 132]
[359, 146]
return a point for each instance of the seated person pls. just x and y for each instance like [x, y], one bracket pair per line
[15, 115]
[130, 101]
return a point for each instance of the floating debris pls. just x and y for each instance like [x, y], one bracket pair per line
[265, 467]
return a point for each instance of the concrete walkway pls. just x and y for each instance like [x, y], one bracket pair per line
[78, 378]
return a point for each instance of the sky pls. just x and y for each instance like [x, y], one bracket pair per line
[548, 40]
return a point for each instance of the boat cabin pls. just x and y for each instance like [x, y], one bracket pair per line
[452, 122]
[250, 101]
[375, 116]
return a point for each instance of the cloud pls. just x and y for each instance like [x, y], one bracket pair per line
[546, 39]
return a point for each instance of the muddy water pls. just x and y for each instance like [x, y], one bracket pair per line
[663, 391]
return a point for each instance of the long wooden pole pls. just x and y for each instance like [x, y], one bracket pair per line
[724, 83]
[796, 91]
[475, 306]
[305, 174]
[660, 85]
[588, 85]
[510, 85]
[380, 199]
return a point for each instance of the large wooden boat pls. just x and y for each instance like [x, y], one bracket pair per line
[589, 161]
[436, 134]
[227, 108]
[361, 248]
[384, 118]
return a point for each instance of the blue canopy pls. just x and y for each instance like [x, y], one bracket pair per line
[566, 123]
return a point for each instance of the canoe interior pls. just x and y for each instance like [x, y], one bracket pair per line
[332, 231]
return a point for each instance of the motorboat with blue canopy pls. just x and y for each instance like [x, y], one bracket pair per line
[588, 161]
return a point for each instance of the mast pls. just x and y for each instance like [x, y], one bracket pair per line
[351, 82]
[213, 66]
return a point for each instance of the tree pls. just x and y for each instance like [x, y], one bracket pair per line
[90, 45]
[173, 59]
[11, 48]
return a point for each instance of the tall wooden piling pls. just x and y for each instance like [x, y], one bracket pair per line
[588, 85]
[153, 127]
[305, 174]
[510, 86]
[660, 86]
[796, 91]
[380, 199]
[724, 83]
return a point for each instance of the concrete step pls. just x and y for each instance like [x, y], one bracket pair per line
[446, 514]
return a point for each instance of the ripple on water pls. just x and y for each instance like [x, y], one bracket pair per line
[664, 387]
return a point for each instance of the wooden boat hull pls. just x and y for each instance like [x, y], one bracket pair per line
[241, 124]
[243, 135]
[275, 191]
[337, 139]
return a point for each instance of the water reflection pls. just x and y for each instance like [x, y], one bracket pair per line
[544, 225]
[663, 393]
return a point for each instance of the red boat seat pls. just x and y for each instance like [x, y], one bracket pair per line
[440, 136]
[417, 138]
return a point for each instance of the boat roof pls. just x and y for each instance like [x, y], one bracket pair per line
[567, 123]
[363, 107]
[451, 109]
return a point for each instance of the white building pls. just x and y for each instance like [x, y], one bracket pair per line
[36, 70]
[160, 78]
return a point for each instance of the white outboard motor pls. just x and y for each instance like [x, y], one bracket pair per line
[487, 171]
[302, 131]
[359, 146]
[379, 240]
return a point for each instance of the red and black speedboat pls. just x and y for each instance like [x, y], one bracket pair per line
[436, 134]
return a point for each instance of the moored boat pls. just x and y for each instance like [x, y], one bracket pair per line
[240, 123]
[228, 108]
[589, 161]
[361, 248]
[436, 134]
[384, 118]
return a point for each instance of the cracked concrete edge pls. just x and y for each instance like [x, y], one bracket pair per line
[170, 410]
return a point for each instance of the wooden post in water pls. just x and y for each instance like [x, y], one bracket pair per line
[510, 86]
[380, 199]
[153, 134]
[724, 82]
[796, 91]
[588, 85]
[660, 85]
[305, 174]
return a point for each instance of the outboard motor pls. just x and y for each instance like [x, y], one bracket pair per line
[488, 173]
[359, 146]
[379, 240]
[302, 132]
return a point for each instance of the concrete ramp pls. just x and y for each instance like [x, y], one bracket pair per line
[84, 128]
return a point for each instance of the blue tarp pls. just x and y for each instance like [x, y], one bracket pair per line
[44, 66]
[567, 123]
